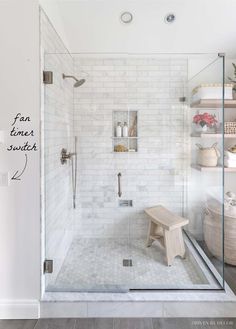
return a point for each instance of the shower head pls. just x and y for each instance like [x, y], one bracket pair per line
[77, 83]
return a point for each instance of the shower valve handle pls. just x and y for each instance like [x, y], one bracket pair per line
[119, 185]
[66, 156]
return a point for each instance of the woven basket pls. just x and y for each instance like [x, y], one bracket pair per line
[230, 127]
[212, 229]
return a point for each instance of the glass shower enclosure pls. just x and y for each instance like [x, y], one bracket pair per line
[132, 140]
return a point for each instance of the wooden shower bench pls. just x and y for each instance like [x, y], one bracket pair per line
[167, 227]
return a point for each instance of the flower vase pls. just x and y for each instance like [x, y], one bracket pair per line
[200, 129]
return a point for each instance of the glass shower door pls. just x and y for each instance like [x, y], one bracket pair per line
[206, 195]
[57, 134]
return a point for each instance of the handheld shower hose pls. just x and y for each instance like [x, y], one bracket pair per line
[74, 173]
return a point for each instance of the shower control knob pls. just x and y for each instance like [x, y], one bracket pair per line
[65, 156]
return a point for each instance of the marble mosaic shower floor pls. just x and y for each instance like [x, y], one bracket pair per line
[95, 264]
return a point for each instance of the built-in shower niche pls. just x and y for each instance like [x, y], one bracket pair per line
[125, 131]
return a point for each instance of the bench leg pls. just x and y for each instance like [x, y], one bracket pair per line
[174, 244]
[151, 231]
[154, 232]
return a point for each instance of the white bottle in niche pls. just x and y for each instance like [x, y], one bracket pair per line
[118, 130]
[125, 130]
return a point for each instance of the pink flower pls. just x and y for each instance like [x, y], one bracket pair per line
[205, 119]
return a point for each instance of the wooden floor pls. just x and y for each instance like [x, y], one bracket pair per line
[121, 323]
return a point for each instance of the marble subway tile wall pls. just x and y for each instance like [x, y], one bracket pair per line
[157, 173]
[57, 133]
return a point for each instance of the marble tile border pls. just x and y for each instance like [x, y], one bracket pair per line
[138, 309]
[63, 310]
[173, 296]
[199, 309]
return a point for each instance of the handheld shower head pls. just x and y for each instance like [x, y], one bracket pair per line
[77, 83]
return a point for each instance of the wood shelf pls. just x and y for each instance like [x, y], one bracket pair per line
[213, 103]
[204, 135]
[212, 169]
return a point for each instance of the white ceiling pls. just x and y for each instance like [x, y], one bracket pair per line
[91, 26]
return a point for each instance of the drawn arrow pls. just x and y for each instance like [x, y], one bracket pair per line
[16, 176]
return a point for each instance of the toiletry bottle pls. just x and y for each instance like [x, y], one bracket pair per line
[125, 130]
[118, 130]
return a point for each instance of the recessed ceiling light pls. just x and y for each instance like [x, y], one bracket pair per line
[170, 18]
[126, 17]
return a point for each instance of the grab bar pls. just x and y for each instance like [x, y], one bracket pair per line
[119, 185]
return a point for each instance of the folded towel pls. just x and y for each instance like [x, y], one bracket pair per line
[230, 155]
[230, 163]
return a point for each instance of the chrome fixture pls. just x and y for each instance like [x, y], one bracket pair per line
[125, 203]
[119, 185]
[170, 18]
[73, 157]
[66, 156]
[127, 262]
[126, 17]
[77, 83]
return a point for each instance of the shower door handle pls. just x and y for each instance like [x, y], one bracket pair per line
[119, 185]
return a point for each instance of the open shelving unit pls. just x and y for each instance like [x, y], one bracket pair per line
[213, 104]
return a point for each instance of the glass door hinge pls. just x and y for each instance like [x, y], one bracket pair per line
[183, 99]
[48, 266]
[47, 77]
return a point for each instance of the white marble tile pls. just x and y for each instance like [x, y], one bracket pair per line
[63, 310]
[160, 117]
[95, 264]
[200, 309]
[125, 309]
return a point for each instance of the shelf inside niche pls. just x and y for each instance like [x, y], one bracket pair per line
[125, 137]
[127, 144]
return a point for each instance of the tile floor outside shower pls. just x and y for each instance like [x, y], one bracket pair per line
[122, 323]
[96, 265]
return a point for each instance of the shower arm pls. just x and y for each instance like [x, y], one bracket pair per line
[69, 76]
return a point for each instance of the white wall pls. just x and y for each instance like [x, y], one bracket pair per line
[20, 201]
[94, 26]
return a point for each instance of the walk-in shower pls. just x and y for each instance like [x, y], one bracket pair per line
[135, 149]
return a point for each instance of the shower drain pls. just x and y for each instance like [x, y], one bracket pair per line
[127, 262]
